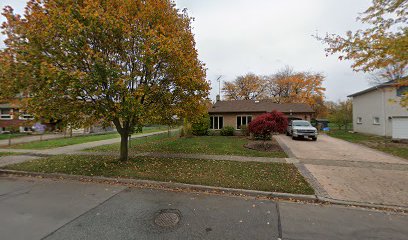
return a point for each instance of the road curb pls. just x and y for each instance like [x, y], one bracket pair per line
[209, 189]
[362, 204]
[168, 185]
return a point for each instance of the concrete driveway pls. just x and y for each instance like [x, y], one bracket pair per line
[33, 208]
[352, 172]
[329, 148]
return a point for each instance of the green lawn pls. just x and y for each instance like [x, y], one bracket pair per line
[76, 140]
[276, 177]
[13, 135]
[2, 154]
[377, 142]
[212, 145]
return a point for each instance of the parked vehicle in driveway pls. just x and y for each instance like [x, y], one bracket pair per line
[301, 128]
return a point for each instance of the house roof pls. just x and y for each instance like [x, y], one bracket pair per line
[9, 105]
[386, 84]
[258, 106]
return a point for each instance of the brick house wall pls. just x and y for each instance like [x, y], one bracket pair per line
[230, 119]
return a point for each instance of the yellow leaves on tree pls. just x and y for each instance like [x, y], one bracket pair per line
[120, 61]
[383, 43]
[382, 46]
[247, 87]
[286, 86]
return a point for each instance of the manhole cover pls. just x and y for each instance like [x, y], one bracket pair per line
[167, 218]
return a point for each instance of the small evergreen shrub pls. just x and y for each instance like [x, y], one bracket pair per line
[213, 133]
[201, 126]
[227, 131]
[186, 130]
[244, 130]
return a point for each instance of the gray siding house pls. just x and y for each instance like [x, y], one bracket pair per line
[377, 111]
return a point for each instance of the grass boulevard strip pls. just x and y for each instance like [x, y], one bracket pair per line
[273, 177]
[3, 154]
[262, 176]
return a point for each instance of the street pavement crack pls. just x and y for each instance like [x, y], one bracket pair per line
[17, 192]
[279, 221]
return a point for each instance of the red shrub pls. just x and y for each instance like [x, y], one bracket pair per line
[264, 125]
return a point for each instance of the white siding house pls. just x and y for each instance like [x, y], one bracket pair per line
[377, 111]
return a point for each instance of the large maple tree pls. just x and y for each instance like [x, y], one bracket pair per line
[120, 61]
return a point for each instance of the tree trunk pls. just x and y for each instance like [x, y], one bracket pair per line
[124, 140]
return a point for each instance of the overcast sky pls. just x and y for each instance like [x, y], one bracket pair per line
[235, 37]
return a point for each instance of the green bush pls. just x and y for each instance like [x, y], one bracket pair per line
[227, 131]
[213, 133]
[201, 126]
[245, 130]
[186, 130]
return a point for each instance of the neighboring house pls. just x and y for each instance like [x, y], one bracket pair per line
[12, 117]
[377, 111]
[241, 112]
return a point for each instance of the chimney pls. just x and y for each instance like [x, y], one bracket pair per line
[218, 98]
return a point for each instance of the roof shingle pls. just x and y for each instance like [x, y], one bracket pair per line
[243, 106]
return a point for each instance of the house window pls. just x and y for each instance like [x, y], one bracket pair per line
[5, 114]
[216, 122]
[376, 121]
[402, 90]
[359, 120]
[5, 111]
[25, 116]
[243, 120]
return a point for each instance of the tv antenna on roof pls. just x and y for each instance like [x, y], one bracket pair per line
[219, 85]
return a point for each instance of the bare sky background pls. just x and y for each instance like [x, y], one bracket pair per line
[235, 37]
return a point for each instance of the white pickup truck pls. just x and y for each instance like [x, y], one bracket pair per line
[301, 128]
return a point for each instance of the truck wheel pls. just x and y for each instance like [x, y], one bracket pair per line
[314, 138]
[293, 138]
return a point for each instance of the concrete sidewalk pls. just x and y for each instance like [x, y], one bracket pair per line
[45, 209]
[31, 138]
[28, 155]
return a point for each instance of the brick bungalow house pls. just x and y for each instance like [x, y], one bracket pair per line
[11, 116]
[241, 112]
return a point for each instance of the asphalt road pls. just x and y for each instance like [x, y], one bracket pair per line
[48, 209]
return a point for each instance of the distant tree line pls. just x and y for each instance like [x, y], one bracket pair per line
[285, 86]
[340, 113]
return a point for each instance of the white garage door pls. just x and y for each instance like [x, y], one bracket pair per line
[400, 128]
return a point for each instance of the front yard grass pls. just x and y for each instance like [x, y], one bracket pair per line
[6, 136]
[380, 143]
[61, 142]
[3, 154]
[211, 145]
[276, 177]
